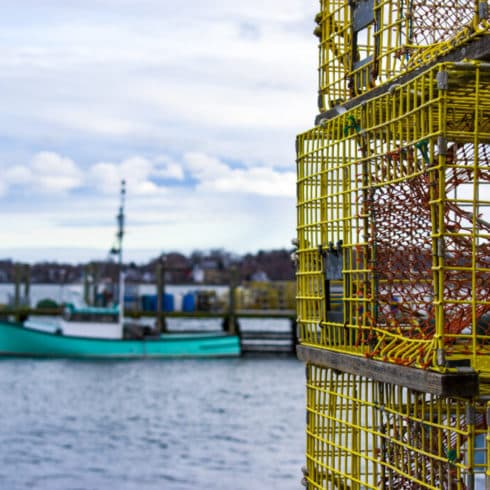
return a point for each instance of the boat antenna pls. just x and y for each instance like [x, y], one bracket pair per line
[118, 250]
[120, 224]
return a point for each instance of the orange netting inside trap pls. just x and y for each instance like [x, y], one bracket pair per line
[433, 21]
[425, 247]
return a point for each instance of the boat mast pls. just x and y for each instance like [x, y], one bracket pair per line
[119, 251]
[120, 223]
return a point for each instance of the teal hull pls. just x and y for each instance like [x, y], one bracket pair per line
[15, 340]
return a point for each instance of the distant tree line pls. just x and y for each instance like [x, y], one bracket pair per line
[216, 266]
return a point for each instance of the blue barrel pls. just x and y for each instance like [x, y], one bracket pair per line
[189, 302]
[149, 302]
[168, 302]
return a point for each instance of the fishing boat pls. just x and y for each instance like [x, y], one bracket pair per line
[85, 332]
[19, 340]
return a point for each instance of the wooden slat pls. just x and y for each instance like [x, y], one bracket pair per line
[463, 384]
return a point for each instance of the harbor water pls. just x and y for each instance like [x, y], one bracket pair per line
[180, 424]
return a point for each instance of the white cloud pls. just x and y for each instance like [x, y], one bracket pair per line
[171, 171]
[136, 168]
[204, 167]
[18, 174]
[51, 172]
[138, 172]
[263, 181]
[106, 177]
[167, 168]
[55, 173]
[47, 172]
[214, 175]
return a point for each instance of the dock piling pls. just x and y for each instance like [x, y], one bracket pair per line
[230, 321]
[161, 323]
[21, 280]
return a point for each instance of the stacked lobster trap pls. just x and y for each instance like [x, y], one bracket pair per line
[363, 433]
[367, 43]
[393, 216]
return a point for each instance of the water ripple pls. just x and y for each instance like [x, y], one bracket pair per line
[179, 425]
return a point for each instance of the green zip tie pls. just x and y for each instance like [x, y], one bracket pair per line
[452, 456]
[423, 146]
[353, 124]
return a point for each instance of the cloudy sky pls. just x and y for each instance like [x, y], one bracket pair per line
[196, 104]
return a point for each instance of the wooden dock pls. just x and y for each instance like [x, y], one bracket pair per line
[267, 342]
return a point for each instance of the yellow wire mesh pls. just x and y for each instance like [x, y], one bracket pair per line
[394, 200]
[364, 43]
[363, 434]
[393, 214]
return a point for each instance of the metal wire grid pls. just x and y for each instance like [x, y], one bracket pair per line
[402, 184]
[365, 434]
[365, 43]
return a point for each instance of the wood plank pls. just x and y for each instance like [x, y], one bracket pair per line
[266, 335]
[279, 314]
[462, 384]
[267, 349]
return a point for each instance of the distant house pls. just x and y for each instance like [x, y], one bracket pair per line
[148, 277]
[197, 274]
[259, 276]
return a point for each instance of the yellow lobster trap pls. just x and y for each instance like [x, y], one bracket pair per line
[366, 434]
[393, 200]
[365, 43]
